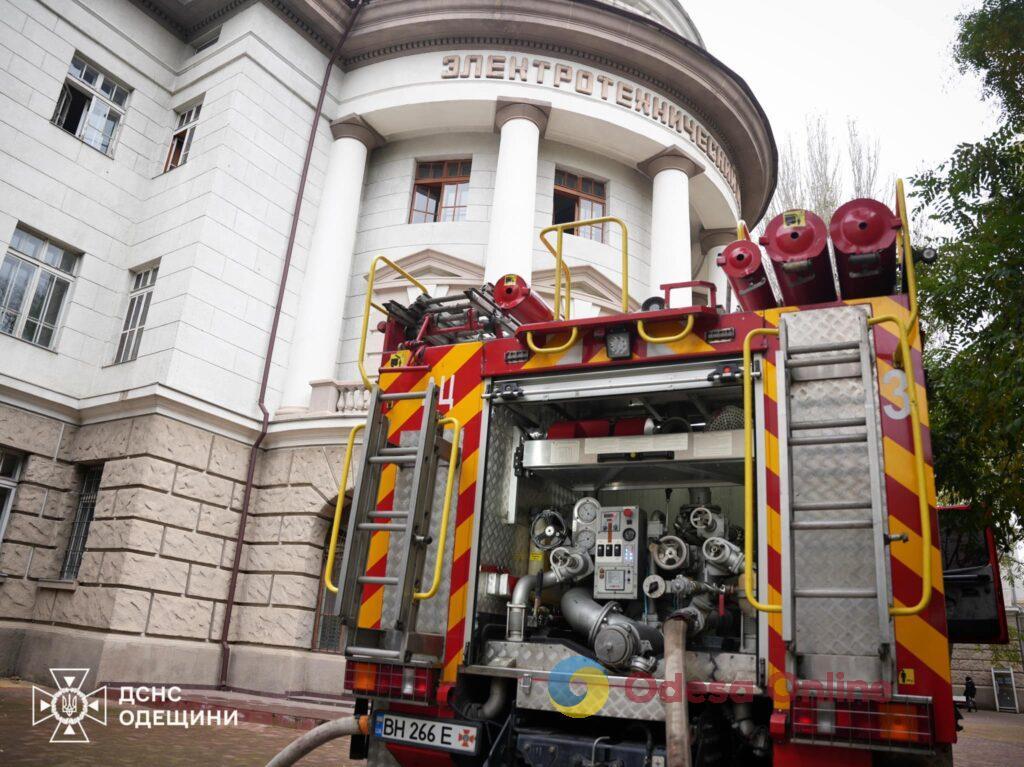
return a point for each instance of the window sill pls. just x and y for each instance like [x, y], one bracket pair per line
[56, 584]
[29, 343]
[80, 140]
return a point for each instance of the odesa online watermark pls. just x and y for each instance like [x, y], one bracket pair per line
[579, 687]
[69, 707]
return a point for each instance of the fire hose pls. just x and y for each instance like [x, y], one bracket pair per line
[326, 732]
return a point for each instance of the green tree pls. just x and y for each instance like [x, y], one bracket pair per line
[972, 297]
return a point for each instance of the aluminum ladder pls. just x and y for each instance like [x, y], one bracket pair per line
[396, 639]
[834, 524]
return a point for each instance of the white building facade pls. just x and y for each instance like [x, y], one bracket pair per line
[152, 155]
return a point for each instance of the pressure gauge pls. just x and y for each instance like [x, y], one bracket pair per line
[586, 510]
[586, 540]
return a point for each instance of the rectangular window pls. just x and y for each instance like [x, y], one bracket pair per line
[10, 469]
[440, 192]
[135, 318]
[83, 518]
[181, 141]
[578, 198]
[91, 105]
[35, 279]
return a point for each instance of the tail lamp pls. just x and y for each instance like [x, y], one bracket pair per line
[387, 680]
[870, 723]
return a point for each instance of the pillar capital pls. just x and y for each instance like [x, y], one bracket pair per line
[354, 126]
[535, 111]
[670, 158]
[716, 238]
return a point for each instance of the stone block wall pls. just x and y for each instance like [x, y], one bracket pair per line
[978, 660]
[159, 552]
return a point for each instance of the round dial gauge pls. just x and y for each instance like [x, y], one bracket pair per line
[587, 509]
[586, 539]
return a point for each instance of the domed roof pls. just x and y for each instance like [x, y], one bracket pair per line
[668, 13]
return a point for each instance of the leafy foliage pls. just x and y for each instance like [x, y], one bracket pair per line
[973, 295]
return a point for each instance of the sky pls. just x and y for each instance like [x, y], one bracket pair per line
[887, 64]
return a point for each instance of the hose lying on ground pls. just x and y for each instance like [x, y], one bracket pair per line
[328, 731]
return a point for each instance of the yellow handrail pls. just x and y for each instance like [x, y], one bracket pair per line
[748, 474]
[573, 336]
[907, 256]
[560, 273]
[442, 535]
[333, 545]
[922, 497]
[687, 329]
[369, 384]
[742, 233]
[557, 253]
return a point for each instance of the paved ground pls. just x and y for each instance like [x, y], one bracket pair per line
[988, 740]
[244, 745]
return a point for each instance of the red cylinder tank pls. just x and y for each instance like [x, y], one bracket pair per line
[797, 243]
[514, 296]
[864, 239]
[742, 263]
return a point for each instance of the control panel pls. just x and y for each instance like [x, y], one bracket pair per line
[617, 552]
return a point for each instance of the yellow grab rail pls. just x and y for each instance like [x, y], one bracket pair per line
[442, 535]
[573, 336]
[687, 329]
[561, 271]
[369, 384]
[336, 527]
[742, 233]
[560, 266]
[748, 474]
[919, 472]
[907, 256]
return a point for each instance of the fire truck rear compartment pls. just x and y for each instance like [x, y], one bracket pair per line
[609, 505]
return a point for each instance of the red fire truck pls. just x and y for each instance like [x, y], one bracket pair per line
[667, 536]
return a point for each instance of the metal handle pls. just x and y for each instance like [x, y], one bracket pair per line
[370, 304]
[333, 545]
[556, 251]
[907, 257]
[922, 497]
[748, 474]
[742, 233]
[442, 535]
[573, 336]
[687, 329]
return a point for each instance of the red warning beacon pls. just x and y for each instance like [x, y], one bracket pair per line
[864, 239]
[742, 263]
[797, 243]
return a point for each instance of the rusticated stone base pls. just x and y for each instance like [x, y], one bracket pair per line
[149, 600]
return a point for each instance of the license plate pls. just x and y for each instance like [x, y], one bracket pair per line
[459, 737]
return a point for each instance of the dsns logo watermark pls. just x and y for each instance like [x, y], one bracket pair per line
[576, 672]
[69, 706]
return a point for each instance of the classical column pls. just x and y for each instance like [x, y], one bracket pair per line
[514, 209]
[314, 349]
[671, 172]
[712, 243]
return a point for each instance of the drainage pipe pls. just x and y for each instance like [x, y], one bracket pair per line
[677, 716]
[225, 649]
[326, 732]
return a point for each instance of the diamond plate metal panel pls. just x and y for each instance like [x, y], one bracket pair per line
[534, 662]
[432, 615]
[833, 473]
[837, 626]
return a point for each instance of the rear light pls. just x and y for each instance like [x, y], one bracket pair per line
[386, 680]
[868, 723]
